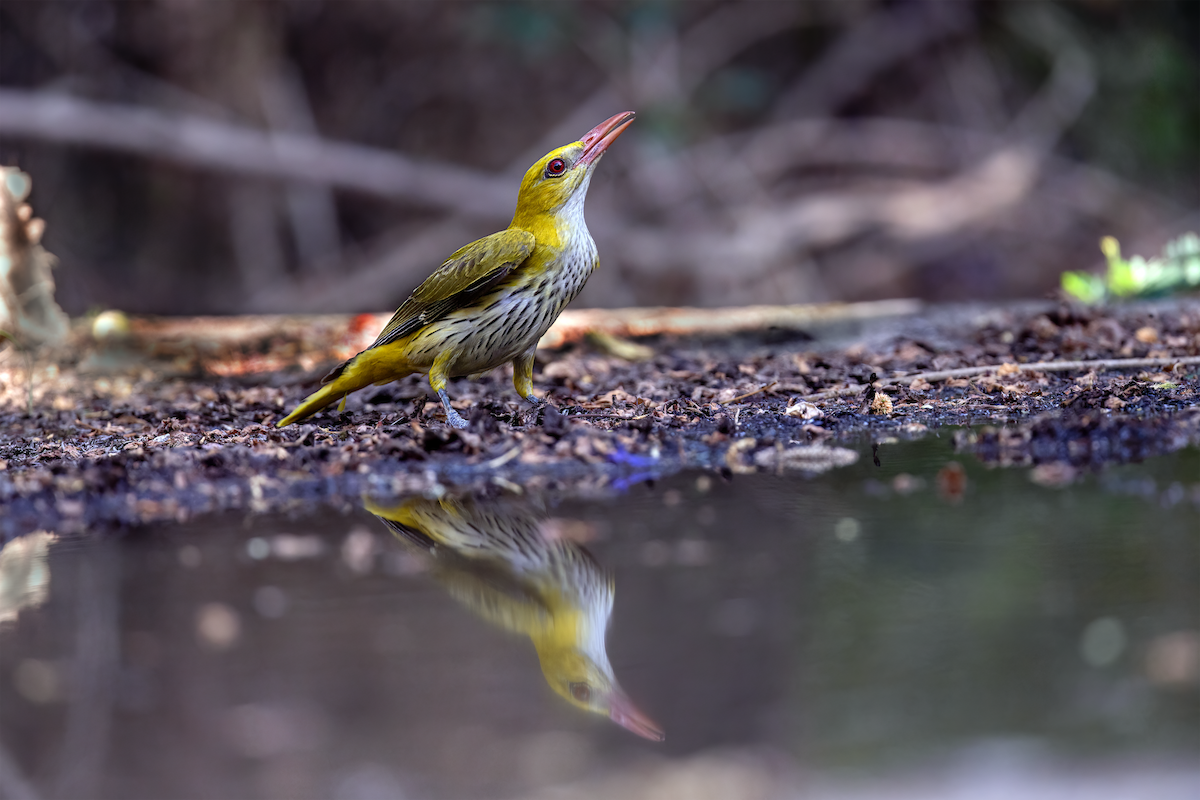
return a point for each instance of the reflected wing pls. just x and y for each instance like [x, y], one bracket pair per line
[409, 534]
[493, 591]
[488, 587]
[468, 274]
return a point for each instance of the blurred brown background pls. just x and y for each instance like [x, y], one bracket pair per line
[216, 157]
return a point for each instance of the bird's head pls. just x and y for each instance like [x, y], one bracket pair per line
[564, 173]
[592, 686]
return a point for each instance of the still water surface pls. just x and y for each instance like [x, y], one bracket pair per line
[909, 630]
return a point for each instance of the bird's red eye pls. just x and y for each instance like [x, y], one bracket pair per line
[555, 168]
[581, 692]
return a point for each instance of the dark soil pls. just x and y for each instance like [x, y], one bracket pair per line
[166, 425]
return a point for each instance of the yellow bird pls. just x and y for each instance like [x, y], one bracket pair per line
[497, 559]
[491, 301]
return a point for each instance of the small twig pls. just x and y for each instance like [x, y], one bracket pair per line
[595, 415]
[1054, 366]
[762, 388]
[1036, 366]
[501, 460]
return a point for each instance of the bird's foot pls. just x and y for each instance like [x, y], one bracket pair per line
[452, 417]
[536, 404]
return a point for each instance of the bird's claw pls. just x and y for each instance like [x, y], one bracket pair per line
[452, 417]
[536, 404]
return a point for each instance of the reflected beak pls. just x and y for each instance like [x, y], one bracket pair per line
[628, 716]
[597, 140]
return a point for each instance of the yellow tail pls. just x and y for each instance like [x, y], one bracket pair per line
[349, 376]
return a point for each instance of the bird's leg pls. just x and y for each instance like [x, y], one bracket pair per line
[437, 381]
[523, 378]
[452, 417]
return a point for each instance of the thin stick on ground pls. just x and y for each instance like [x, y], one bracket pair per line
[753, 392]
[1036, 366]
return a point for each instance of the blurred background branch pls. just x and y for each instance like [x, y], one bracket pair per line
[283, 155]
[308, 156]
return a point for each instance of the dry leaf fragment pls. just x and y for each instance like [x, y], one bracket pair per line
[804, 410]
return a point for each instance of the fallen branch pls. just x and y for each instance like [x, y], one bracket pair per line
[245, 345]
[574, 324]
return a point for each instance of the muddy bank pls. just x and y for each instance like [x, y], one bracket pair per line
[176, 419]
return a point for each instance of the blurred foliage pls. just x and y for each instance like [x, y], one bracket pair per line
[1178, 270]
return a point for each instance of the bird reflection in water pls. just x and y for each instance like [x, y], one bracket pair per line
[501, 560]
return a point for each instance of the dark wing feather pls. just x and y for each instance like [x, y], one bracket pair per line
[468, 274]
[409, 534]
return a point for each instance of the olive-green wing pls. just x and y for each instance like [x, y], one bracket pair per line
[468, 274]
[491, 589]
[487, 586]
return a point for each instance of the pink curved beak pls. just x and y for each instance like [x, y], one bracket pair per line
[623, 712]
[597, 140]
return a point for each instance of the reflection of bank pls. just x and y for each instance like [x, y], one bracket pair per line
[501, 560]
[24, 574]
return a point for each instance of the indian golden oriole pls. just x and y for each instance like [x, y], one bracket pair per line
[491, 301]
